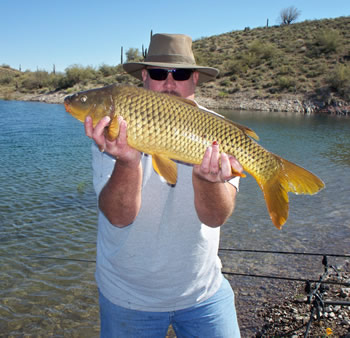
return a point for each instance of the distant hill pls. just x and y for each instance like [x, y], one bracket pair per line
[309, 61]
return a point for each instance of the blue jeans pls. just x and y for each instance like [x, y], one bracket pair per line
[215, 317]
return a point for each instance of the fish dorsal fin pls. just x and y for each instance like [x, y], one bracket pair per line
[246, 130]
[188, 101]
[165, 167]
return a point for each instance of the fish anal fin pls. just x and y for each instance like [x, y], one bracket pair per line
[277, 202]
[288, 177]
[165, 167]
[236, 173]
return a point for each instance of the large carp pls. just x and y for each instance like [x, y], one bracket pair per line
[171, 128]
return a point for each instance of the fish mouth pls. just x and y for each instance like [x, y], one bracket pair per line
[67, 106]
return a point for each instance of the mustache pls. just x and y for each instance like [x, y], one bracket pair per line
[171, 92]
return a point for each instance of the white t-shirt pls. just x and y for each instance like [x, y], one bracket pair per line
[166, 259]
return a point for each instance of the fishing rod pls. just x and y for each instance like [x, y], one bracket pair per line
[284, 252]
[282, 278]
[62, 258]
[224, 272]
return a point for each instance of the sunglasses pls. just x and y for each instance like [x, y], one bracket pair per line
[179, 74]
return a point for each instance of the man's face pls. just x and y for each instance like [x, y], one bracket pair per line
[183, 89]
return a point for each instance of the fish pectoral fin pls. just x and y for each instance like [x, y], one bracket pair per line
[112, 131]
[165, 167]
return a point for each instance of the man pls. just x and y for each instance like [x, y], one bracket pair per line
[157, 261]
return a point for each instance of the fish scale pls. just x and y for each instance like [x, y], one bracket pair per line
[171, 128]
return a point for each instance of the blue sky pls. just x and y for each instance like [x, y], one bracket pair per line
[37, 34]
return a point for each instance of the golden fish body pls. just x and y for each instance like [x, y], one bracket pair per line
[171, 128]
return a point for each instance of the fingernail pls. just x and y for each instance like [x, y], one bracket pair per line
[107, 118]
[215, 143]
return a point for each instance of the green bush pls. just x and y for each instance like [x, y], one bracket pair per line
[339, 80]
[328, 40]
[237, 67]
[285, 83]
[257, 53]
[133, 55]
[5, 79]
[35, 80]
[285, 70]
[106, 70]
[262, 49]
[77, 74]
[225, 83]
[58, 81]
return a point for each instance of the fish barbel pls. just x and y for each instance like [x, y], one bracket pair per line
[172, 128]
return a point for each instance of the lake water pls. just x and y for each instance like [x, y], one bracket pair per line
[48, 216]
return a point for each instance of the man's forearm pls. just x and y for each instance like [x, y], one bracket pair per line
[120, 199]
[214, 202]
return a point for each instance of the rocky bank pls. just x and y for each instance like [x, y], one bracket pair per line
[237, 101]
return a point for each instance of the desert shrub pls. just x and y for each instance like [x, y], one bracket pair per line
[285, 83]
[263, 49]
[339, 80]
[58, 81]
[225, 83]
[133, 55]
[285, 70]
[77, 74]
[236, 67]
[223, 93]
[325, 42]
[328, 40]
[257, 53]
[35, 80]
[5, 79]
[106, 70]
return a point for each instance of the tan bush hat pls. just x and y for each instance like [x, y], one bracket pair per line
[170, 51]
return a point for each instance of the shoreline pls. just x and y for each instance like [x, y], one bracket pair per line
[240, 102]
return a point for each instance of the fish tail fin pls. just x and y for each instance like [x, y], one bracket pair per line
[289, 177]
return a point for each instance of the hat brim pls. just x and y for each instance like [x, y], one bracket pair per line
[205, 73]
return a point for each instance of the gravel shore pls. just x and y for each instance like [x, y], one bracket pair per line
[291, 316]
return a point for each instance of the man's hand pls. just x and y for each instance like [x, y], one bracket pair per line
[210, 168]
[118, 148]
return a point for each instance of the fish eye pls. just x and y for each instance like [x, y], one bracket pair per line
[83, 99]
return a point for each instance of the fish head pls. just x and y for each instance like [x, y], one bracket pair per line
[96, 103]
